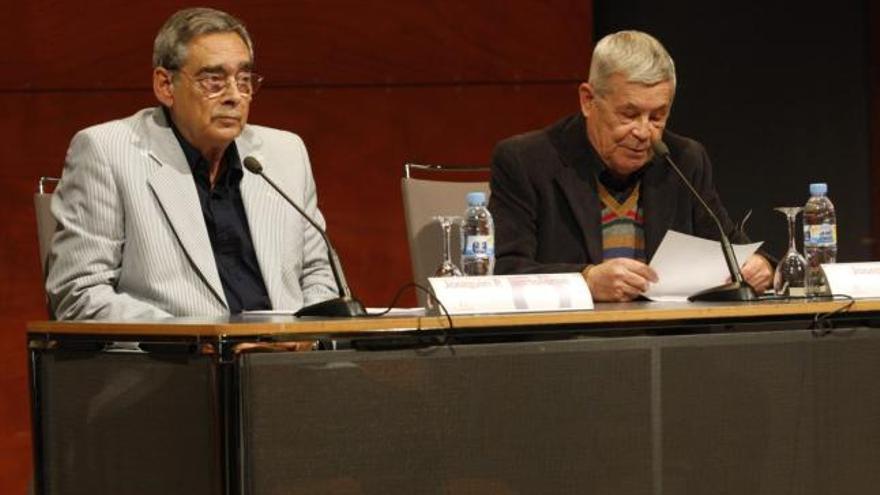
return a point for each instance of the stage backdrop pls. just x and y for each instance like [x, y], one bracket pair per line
[367, 85]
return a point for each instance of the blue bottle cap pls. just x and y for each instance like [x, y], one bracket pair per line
[476, 198]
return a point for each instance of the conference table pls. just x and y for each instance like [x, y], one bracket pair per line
[637, 398]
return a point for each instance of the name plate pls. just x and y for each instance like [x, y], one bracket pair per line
[858, 280]
[513, 293]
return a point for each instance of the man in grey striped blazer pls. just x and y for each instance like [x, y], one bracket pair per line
[156, 215]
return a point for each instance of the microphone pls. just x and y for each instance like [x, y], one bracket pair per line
[345, 304]
[737, 289]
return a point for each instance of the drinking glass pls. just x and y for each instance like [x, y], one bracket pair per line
[791, 271]
[447, 268]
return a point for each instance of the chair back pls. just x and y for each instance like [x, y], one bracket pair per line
[435, 194]
[45, 221]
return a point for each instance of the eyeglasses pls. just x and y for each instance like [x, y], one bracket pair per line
[214, 85]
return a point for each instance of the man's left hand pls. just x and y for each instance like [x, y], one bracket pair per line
[758, 273]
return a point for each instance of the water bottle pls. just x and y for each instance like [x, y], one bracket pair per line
[477, 237]
[820, 237]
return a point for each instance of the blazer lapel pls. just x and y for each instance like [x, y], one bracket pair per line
[659, 196]
[265, 217]
[584, 203]
[176, 192]
[577, 180]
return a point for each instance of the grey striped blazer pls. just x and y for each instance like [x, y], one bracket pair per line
[131, 240]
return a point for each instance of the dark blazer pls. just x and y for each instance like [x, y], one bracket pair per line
[547, 211]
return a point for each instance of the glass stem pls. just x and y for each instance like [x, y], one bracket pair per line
[447, 242]
[792, 219]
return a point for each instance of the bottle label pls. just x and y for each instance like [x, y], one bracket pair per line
[479, 245]
[822, 235]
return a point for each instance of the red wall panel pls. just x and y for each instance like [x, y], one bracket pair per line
[368, 87]
[105, 44]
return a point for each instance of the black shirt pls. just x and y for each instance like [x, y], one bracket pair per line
[620, 188]
[228, 228]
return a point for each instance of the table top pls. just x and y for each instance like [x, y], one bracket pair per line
[605, 315]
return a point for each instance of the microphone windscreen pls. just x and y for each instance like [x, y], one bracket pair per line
[660, 148]
[253, 165]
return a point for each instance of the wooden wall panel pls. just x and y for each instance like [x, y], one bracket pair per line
[368, 87]
[105, 44]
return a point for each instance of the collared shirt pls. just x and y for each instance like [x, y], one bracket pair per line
[228, 229]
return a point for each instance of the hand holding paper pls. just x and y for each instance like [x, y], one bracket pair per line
[686, 265]
[619, 279]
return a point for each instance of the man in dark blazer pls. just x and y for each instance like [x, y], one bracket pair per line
[550, 187]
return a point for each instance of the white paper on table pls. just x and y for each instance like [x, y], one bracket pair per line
[686, 265]
[418, 311]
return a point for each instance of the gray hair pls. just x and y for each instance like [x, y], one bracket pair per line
[635, 55]
[169, 49]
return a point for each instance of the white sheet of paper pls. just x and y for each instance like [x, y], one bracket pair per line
[686, 265]
[419, 311]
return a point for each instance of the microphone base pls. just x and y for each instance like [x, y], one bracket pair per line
[341, 307]
[734, 291]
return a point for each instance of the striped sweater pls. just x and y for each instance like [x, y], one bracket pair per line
[623, 233]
